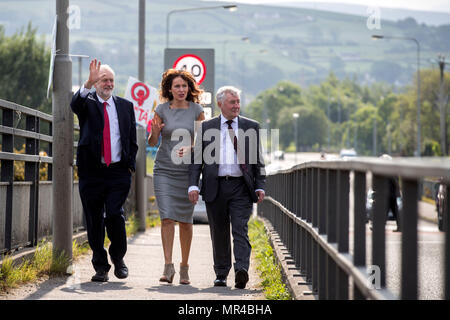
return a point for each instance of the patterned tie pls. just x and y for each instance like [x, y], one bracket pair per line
[234, 138]
[106, 145]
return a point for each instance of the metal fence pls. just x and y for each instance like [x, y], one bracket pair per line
[316, 206]
[25, 206]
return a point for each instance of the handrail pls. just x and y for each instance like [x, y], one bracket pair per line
[308, 205]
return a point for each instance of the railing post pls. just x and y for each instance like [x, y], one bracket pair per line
[331, 233]
[308, 239]
[315, 219]
[32, 174]
[303, 217]
[359, 225]
[297, 230]
[322, 223]
[343, 229]
[7, 175]
[379, 185]
[332, 205]
[409, 269]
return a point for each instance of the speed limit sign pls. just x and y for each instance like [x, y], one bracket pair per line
[192, 64]
[200, 63]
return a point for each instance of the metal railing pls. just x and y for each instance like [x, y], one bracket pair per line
[20, 202]
[309, 207]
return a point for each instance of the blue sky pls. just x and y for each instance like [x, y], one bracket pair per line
[428, 5]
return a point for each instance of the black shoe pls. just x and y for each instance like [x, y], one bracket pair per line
[241, 279]
[221, 281]
[100, 276]
[120, 270]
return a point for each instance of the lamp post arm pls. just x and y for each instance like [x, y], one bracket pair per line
[189, 9]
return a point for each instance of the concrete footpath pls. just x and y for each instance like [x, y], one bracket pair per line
[145, 262]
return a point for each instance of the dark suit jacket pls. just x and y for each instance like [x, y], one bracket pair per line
[254, 174]
[90, 116]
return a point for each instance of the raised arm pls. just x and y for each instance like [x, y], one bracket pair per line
[95, 74]
[157, 126]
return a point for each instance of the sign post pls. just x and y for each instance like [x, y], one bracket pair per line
[200, 63]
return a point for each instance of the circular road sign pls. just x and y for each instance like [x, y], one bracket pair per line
[192, 64]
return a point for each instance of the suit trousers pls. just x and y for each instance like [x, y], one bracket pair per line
[103, 193]
[232, 205]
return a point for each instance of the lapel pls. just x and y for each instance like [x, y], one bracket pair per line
[99, 108]
[216, 124]
[120, 116]
[243, 125]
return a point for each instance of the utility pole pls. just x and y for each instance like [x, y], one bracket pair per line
[442, 100]
[374, 137]
[62, 138]
[141, 170]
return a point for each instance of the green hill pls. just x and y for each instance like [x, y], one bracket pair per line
[300, 45]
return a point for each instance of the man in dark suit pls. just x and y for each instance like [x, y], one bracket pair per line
[106, 158]
[227, 155]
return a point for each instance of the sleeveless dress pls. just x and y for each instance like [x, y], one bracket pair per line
[171, 173]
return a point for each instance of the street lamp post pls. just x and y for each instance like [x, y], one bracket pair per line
[442, 101]
[295, 115]
[376, 36]
[228, 7]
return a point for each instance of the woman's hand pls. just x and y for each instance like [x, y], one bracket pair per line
[157, 126]
[183, 151]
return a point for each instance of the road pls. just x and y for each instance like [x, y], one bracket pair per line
[431, 242]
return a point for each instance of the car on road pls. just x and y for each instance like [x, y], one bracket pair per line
[279, 155]
[347, 153]
[441, 204]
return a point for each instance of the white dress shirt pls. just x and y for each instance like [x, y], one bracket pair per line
[116, 146]
[228, 165]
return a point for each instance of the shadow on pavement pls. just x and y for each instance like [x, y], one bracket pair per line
[188, 289]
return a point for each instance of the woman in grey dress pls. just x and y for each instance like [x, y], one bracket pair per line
[174, 120]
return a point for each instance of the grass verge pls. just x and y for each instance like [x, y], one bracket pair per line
[270, 273]
[42, 263]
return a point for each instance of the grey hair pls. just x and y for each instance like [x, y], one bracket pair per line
[107, 67]
[220, 95]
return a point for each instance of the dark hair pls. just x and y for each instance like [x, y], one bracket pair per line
[166, 84]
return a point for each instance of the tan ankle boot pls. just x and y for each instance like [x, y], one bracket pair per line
[184, 276]
[168, 274]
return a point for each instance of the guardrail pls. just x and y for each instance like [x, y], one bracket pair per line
[21, 202]
[309, 207]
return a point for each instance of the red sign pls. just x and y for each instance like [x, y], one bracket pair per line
[193, 64]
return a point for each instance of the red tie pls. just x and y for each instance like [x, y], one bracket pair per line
[235, 145]
[106, 150]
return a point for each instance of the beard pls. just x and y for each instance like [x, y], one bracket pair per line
[104, 92]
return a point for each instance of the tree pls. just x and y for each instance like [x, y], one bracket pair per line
[24, 64]
[311, 127]
[386, 71]
[269, 103]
